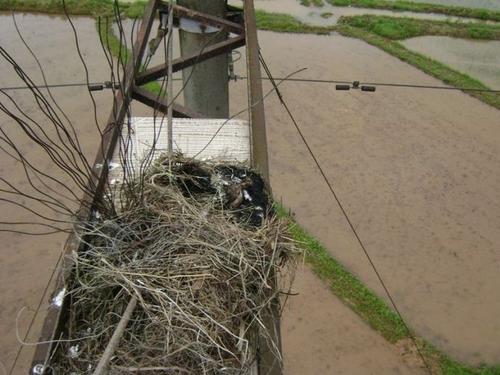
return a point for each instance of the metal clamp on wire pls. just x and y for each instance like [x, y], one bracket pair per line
[96, 87]
[355, 86]
[102, 86]
[342, 87]
[109, 85]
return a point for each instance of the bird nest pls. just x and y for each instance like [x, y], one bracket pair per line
[195, 259]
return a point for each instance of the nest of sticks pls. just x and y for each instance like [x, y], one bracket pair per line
[188, 270]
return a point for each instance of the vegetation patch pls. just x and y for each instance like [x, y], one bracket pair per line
[316, 3]
[281, 22]
[400, 5]
[371, 308]
[74, 7]
[398, 28]
[326, 14]
[278, 22]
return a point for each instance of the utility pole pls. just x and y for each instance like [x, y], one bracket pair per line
[206, 88]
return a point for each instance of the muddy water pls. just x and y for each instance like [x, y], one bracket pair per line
[416, 170]
[26, 262]
[312, 15]
[480, 59]
[321, 335]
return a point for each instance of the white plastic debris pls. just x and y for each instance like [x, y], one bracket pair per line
[113, 166]
[38, 369]
[247, 196]
[57, 301]
[73, 351]
[114, 181]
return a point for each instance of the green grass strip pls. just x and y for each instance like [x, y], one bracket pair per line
[74, 7]
[316, 3]
[104, 26]
[278, 22]
[398, 28]
[118, 51]
[424, 63]
[400, 5]
[281, 22]
[371, 308]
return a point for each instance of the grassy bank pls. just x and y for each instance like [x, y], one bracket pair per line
[74, 7]
[371, 308]
[281, 22]
[278, 22]
[397, 28]
[401, 5]
[424, 63]
[316, 3]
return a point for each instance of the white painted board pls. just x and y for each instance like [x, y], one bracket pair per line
[220, 140]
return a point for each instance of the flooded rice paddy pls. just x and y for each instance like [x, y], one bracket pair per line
[313, 15]
[479, 59]
[416, 170]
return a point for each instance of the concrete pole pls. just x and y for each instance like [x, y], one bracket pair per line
[207, 86]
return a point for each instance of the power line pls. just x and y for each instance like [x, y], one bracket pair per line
[299, 80]
[94, 85]
[382, 84]
[344, 212]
